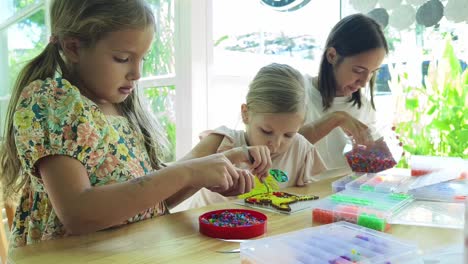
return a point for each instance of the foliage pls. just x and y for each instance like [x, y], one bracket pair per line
[432, 120]
[160, 59]
[30, 26]
[393, 38]
[161, 100]
[34, 19]
[19, 58]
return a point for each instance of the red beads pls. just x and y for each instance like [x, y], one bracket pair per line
[322, 216]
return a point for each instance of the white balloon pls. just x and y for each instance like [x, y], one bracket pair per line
[456, 10]
[389, 4]
[363, 6]
[402, 17]
[416, 2]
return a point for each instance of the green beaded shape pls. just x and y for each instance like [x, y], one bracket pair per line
[279, 175]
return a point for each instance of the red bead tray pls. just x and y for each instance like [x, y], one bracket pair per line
[236, 232]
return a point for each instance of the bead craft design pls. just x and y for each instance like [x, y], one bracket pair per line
[278, 200]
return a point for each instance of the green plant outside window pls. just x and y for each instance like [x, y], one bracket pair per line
[433, 118]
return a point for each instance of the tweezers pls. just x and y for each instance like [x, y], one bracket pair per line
[237, 250]
[252, 160]
[234, 240]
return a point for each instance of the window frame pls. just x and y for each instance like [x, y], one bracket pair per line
[189, 79]
[4, 68]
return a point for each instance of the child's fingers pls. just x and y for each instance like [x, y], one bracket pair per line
[231, 175]
[249, 181]
[240, 187]
[266, 162]
[260, 175]
[257, 158]
[258, 161]
[248, 155]
[269, 163]
[261, 167]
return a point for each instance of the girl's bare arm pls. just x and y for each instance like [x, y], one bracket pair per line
[83, 208]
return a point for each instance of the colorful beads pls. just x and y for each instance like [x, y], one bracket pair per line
[279, 175]
[350, 214]
[373, 160]
[416, 172]
[322, 216]
[347, 213]
[372, 221]
[232, 219]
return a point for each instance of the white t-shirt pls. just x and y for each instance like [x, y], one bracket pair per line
[301, 162]
[331, 146]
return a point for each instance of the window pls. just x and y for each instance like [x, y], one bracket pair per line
[20, 40]
[425, 74]
[26, 39]
[24, 33]
[158, 80]
[162, 101]
[413, 45]
[11, 8]
[248, 35]
[161, 58]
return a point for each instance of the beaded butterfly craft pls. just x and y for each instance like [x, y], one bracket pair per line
[267, 194]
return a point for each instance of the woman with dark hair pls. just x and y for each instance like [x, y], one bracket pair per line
[337, 109]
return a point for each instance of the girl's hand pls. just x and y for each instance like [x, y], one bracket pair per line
[244, 185]
[354, 128]
[258, 157]
[260, 160]
[214, 172]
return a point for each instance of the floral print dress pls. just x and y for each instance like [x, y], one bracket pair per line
[53, 118]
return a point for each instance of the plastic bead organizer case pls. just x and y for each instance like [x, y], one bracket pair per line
[337, 243]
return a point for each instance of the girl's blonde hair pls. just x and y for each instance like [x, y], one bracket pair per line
[277, 88]
[88, 21]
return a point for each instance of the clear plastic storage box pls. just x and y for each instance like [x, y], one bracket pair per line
[369, 209]
[450, 191]
[340, 185]
[422, 165]
[434, 214]
[335, 243]
[379, 182]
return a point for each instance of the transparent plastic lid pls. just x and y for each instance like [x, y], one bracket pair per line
[450, 191]
[422, 165]
[447, 255]
[339, 242]
[434, 214]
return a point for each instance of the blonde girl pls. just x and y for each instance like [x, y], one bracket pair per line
[273, 113]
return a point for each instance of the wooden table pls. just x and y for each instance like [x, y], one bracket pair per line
[175, 238]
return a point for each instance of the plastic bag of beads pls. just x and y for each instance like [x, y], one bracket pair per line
[383, 154]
